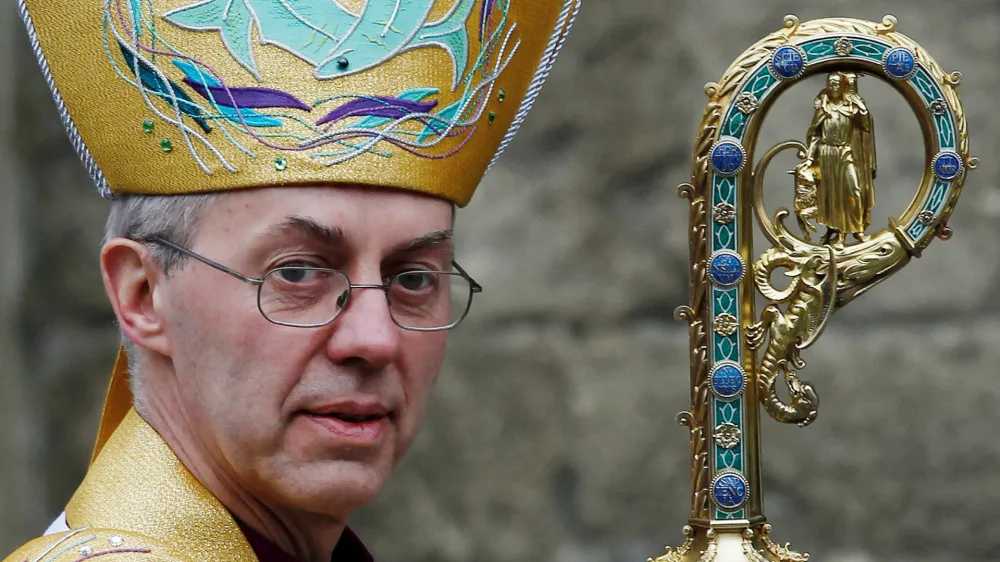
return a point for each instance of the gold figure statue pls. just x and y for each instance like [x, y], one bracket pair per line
[840, 162]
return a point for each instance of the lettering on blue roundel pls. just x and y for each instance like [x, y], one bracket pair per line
[728, 157]
[788, 62]
[726, 267]
[899, 63]
[730, 490]
[727, 379]
[947, 165]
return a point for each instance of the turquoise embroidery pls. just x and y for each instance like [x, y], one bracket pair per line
[337, 42]
[325, 34]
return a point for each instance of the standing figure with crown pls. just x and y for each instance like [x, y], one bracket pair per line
[283, 178]
[841, 159]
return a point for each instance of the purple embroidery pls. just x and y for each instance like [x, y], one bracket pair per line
[378, 106]
[487, 11]
[248, 97]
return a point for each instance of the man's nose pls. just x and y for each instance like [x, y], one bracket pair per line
[365, 330]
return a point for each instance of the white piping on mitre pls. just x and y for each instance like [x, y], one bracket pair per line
[74, 135]
[566, 18]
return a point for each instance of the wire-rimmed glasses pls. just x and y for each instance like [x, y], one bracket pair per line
[304, 296]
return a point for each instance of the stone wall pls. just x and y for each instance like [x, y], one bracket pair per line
[552, 436]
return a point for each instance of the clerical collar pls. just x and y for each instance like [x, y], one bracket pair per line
[349, 548]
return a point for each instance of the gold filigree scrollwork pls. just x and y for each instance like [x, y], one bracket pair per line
[697, 312]
[708, 555]
[677, 555]
[792, 24]
[888, 25]
[780, 553]
[748, 550]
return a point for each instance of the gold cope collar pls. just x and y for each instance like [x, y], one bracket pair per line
[138, 485]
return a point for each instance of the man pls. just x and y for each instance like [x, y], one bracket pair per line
[284, 175]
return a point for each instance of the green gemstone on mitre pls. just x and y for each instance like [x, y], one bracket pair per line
[280, 163]
[147, 126]
[166, 145]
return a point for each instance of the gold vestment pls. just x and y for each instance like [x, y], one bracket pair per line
[141, 502]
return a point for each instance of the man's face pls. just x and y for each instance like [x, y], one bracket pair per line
[311, 419]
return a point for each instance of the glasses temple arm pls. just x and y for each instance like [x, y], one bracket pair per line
[476, 287]
[204, 260]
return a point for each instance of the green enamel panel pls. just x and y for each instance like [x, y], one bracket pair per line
[936, 198]
[727, 412]
[726, 348]
[736, 124]
[868, 49]
[760, 83]
[725, 236]
[819, 49]
[727, 458]
[925, 85]
[946, 131]
[734, 515]
[725, 190]
[725, 301]
[939, 191]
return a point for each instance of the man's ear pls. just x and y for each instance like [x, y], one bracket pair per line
[130, 280]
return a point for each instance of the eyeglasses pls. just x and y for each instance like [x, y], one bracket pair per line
[303, 296]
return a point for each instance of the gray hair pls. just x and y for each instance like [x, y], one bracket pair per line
[174, 217]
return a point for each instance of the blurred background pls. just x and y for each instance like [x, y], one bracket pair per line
[552, 435]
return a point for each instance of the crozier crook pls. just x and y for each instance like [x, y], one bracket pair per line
[837, 254]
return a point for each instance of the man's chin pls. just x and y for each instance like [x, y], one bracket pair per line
[334, 488]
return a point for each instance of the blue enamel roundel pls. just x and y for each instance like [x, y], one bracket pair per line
[788, 62]
[726, 267]
[729, 490]
[899, 63]
[947, 165]
[727, 380]
[728, 158]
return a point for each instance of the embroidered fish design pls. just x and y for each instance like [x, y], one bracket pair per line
[336, 41]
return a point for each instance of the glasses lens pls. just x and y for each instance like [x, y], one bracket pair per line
[303, 296]
[429, 299]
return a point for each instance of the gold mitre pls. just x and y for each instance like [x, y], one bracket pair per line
[187, 96]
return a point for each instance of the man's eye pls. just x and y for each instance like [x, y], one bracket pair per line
[416, 280]
[296, 273]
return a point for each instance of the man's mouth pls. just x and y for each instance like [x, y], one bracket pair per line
[357, 423]
[355, 418]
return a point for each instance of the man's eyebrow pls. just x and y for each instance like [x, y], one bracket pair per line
[441, 238]
[305, 226]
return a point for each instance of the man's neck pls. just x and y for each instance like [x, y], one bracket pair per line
[308, 538]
